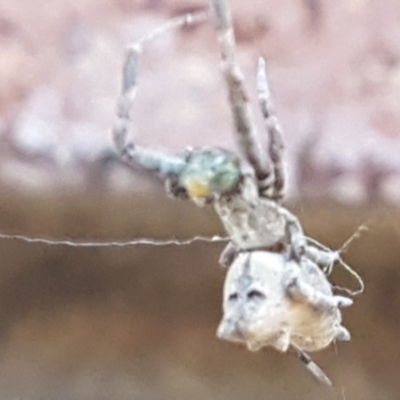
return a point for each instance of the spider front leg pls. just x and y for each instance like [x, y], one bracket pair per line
[272, 188]
[165, 165]
[244, 126]
[269, 171]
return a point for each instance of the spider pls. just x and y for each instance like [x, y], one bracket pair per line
[247, 198]
[292, 307]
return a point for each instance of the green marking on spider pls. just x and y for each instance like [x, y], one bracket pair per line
[210, 172]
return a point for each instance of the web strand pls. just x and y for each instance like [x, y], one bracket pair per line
[136, 242]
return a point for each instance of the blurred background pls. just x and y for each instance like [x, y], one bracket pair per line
[139, 322]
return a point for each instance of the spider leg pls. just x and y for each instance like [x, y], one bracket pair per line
[301, 291]
[131, 153]
[311, 365]
[294, 235]
[274, 187]
[245, 130]
[342, 334]
[228, 255]
[324, 258]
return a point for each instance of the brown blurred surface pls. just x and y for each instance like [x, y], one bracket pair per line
[139, 322]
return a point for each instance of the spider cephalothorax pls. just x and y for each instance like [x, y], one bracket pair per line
[210, 173]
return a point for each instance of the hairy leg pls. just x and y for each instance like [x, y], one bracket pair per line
[342, 334]
[301, 291]
[311, 366]
[324, 258]
[273, 188]
[294, 235]
[228, 255]
[131, 153]
[244, 125]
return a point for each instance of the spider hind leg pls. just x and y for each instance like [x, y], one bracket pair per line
[311, 365]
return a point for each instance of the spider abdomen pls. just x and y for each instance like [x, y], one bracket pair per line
[272, 301]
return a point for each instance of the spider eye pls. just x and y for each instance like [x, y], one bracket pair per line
[233, 296]
[255, 294]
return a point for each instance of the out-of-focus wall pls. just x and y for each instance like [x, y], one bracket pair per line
[333, 67]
